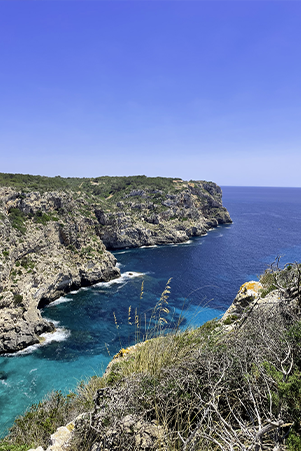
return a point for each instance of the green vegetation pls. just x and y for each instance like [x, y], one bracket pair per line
[26, 182]
[40, 421]
[206, 389]
[5, 446]
[43, 218]
[17, 218]
[287, 280]
[27, 263]
[18, 299]
[230, 319]
[100, 186]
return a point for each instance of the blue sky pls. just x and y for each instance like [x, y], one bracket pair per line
[193, 89]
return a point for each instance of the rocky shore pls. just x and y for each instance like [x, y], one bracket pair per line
[251, 331]
[53, 242]
[151, 216]
[50, 258]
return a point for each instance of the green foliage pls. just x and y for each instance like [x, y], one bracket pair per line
[26, 182]
[230, 319]
[5, 253]
[5, 446]
[43, 218]
[106, 186]
[18, 299]
[206, 329]
[267, 280]
[290, 393]
[16, 218]
[42, 420]
[88, 250]
[26, 263]
[85, 212]
[294, 441]
[100, 186]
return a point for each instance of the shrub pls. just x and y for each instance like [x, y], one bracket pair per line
[16, 218]
[230, 319]
[18, 299]
[42, 420]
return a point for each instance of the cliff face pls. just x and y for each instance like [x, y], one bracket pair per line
[47, 249]
[145, 217]
[217, 378]
[54, 241]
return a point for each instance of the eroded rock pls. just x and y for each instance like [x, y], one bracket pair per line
[47, 248]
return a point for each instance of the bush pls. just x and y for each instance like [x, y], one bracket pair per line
[18, 299]
[202, 389]
[5, 446]
[230, 319]
[16, 218]
[42, 420]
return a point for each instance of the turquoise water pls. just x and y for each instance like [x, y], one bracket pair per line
[206, 274]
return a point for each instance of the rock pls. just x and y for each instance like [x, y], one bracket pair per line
[55, 242]
[170, 218]
[59, 439]
[247, 294]
[131, 432]
[47, 248]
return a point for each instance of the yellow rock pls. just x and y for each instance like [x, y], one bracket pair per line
[250, 286]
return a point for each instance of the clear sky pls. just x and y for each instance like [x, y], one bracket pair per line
[192, 89]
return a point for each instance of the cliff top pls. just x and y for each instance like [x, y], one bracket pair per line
[204, 389]
[102, 187]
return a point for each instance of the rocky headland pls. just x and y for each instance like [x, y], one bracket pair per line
[150, 216]
[233, 383]
[55, 234]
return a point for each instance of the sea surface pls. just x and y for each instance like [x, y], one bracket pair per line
[206, 273]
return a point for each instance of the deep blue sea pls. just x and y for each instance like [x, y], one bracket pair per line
[206, 274]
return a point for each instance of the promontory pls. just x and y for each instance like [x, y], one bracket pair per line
[55, 233]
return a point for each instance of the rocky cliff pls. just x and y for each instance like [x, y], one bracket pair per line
[150, 216]
[54, 240]
[232, 383]
[47, 249]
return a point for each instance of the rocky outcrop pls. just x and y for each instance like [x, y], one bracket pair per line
[59, 440]
[153, 217]
[48, 248]
[142, 407]
[251, 297]
[53, 242]
[136, 433]
[247, 294]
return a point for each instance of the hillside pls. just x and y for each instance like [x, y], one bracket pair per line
[232, 384]
[55, 233]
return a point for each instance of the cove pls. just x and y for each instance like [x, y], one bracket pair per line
[205, 273]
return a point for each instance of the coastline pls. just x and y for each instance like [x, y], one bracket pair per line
[57, 242]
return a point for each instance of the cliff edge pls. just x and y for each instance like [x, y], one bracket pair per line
[232, 383]
[48, 248]
[55, 233]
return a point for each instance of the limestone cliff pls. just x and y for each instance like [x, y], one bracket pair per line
[150, 216]
[54, 234]
[47, 249]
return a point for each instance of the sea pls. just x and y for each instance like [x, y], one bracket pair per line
[201, 277]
